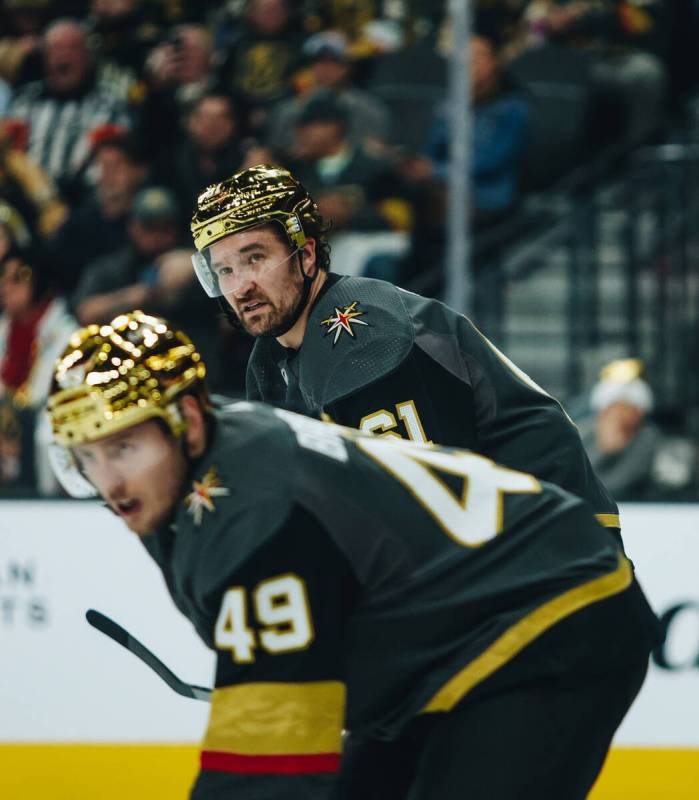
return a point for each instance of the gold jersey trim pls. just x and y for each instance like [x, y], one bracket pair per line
[277, 718]
[517, 637]
[608, 520]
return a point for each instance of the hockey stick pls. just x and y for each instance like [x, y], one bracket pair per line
[125, 639]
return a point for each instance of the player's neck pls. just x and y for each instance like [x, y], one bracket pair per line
[293, 338]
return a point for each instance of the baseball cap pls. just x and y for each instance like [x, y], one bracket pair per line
[154, 202]
[327, 44]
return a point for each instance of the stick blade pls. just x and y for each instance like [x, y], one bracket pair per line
[112, 629]
[108, 627]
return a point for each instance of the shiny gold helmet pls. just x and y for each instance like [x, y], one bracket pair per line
[111, 377]
[257, 196]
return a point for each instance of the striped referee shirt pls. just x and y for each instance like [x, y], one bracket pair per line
[59, 127]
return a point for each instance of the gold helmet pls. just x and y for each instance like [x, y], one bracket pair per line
[112, 377]
[257, 195]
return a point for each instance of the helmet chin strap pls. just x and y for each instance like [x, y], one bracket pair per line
[234, 322]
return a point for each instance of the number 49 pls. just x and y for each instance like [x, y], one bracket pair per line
[281, 608]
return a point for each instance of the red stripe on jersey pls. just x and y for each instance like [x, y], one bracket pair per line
[260, 765]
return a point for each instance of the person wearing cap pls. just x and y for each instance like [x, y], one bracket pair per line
[358, 189]
[341, 584]
[330, 69]
[131, 275]
[630, 452]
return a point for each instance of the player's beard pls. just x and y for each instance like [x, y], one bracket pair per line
[281, 316]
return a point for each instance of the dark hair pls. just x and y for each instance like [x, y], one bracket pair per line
[43, 278]
[314, 229]
[126, 143]
[217, 92]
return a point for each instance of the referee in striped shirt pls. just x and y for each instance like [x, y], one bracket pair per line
[62, 109]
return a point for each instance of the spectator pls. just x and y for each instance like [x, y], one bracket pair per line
[355, 189]
[97, 226]
[331, 69]
[622, 36]
[26, 186]
[135, 276]
[349, 17]
[66, 106]
[183, 62]
[126, 31]
[178, 72]
[154, 273]
[20, 38]
[210, 149]
[5, 94]
[34, 329]
[500, 133]
[629, 452]
[13, 230]
[262, 58]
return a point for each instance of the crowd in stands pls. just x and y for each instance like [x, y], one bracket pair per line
[115, 114]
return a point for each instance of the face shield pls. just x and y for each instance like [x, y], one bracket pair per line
[229, 263]
[67, 473]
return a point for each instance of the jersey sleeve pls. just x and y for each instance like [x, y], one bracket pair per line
[278, 705]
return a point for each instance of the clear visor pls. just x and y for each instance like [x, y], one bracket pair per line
[67, 473]
[226, 266]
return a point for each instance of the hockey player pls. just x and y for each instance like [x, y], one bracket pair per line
[364, 352]
[482, 619]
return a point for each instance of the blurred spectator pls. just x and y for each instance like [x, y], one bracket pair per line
[183, 62]
[21, 22]
[209, 149]
[97, 226]
[178, 72]
[262, 58]
[501, 116]
[331, 69]
[142, 272]
[5, 95]
[126, 31]
[370, 26]
[349, 17]
[34, 329]
[13, 230]
[357, 190]
[26, 186]
[625, 38]
[629, 452]
[153, 271]
[62, 109]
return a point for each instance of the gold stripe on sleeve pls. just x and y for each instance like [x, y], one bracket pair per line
[517, 637]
